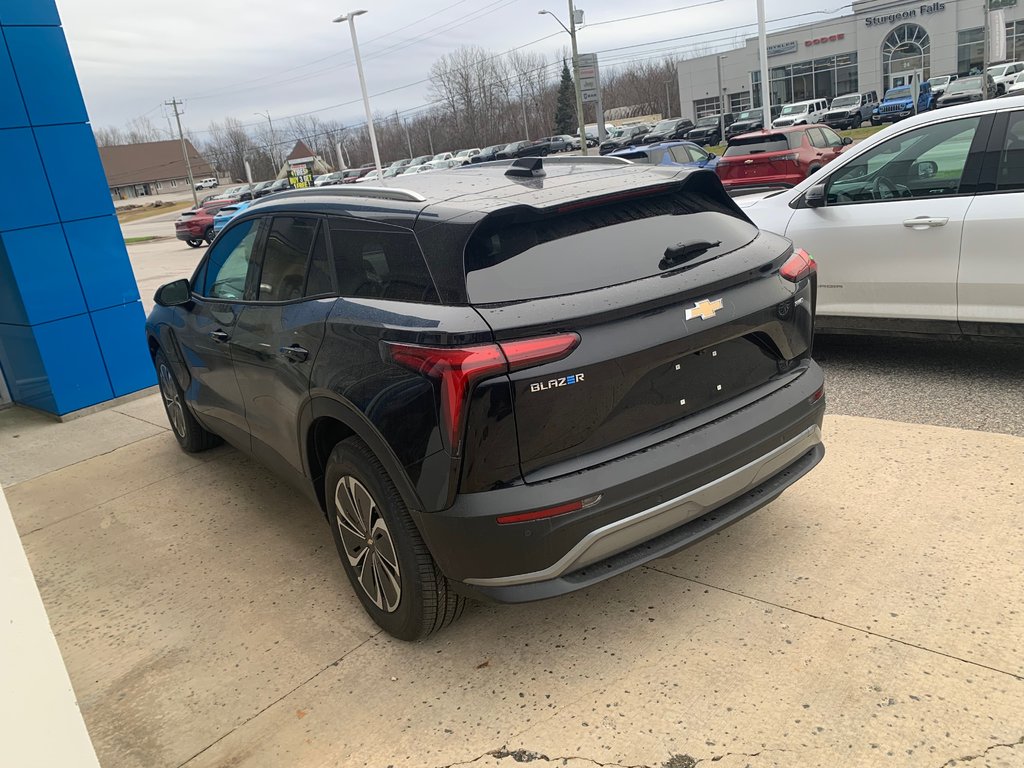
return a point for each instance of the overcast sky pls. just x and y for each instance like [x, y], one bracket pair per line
[237, 57]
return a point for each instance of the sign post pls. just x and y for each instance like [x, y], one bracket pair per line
[590, 88]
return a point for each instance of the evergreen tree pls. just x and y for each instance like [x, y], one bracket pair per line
[565, 107]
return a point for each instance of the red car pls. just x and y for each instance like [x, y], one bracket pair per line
[779, 156]
[196, 226]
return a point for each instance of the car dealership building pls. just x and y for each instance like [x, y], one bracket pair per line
[879, 45]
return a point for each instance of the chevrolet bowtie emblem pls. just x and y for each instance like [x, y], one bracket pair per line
[704, 309]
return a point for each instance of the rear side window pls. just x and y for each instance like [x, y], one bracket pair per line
[512, 258]
[772, 142]
[381, 263]
[289, 242]
[1010, 176]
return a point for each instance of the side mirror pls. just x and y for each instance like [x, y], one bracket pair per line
[814, 197]
[925, 169]
[712, 155]
[847, 141]
[173, 294]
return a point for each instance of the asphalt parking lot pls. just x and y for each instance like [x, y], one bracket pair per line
[871, 616]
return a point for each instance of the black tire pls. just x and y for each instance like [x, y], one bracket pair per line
[194, 242]
[812, 170]
[208, 234]
[192, 436]
[415, 600]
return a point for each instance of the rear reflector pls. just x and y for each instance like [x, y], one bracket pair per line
[798, 266]
[540, 514]
[819, 393]
[457, 369]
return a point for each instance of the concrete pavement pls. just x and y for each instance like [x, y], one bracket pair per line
[868, 617]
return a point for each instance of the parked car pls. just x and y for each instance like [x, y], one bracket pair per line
[443, 156]
[195, 227]
[851, 110]
[559, 143]
[352, 175]
[369, 177]
[487, 154]
[1004, 74]
[707, 132]
[546, 416]
[225, 214]
[522, 149]
[467, 155]
[749, 120]
[210, 183]
[592, 140]
[399, 163]
[674, 153]
[779, 156]
[801, 113]
[668, 130]
[260, 187]
[628, 136]
[939, 83]
[279, 185]
[943, 192]
[967, 89]
[1017, 87]
[898, 104]
[412, 170]
[335, 177]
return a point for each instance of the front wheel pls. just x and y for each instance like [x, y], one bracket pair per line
[381, 550]
[208, 234]
[190, 434]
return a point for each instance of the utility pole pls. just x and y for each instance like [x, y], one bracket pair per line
[408, 140]
[766, 85]
[430, 139]
[174, 103]
[273, 143]
[668, 100]
[985, 51]
[721, 101]
[576, 80]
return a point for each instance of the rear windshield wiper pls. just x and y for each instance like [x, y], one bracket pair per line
[683, 252]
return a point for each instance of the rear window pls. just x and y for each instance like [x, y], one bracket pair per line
[513, 258]
[753, 145]
[384, 263]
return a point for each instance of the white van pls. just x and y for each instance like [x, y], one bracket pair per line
[801, 113]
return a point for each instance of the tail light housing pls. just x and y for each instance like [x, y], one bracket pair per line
[798, 266]
[457, 369]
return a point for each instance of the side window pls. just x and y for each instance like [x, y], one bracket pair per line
[927, 162]
[289, 241]
[817, 138]
[832, 139]
[1010, 174]
[697, 154]
[379, 263]
[227, 263]
[680, 155]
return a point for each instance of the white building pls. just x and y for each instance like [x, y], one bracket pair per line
[877, 46]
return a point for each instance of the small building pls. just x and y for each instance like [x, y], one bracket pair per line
[152, 168]
[879, 45]
[302, 164]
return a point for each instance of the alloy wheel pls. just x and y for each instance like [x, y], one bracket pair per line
[368, 544]
[172, 400]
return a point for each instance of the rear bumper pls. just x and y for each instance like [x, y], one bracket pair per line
[184, 234]
[653, 502]
[779, 179]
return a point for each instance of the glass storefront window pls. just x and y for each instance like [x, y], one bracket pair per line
[906, 52]
[970, 51]
[823, 78]
[1014, 40]
[739, 101]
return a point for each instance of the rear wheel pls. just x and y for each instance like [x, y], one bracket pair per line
[381, 550]
[208, 234]
[190, 434]
[194, 242]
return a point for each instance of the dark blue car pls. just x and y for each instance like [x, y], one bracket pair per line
[670, 153]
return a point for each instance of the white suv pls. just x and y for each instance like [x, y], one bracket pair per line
[206, 184]
[801, 113]
[916, 230]
[1003, 75]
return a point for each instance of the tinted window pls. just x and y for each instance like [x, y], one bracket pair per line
[223, 275]
[773, 142]
[1010, 176]
[927, 162]
[817, 138]
[380, 263]
[515, 259]
[832, 139]
[680, 155]
[289, 241]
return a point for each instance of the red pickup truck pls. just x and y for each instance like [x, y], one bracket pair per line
[196, 226]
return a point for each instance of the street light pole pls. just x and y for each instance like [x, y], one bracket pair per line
[762, 46]
[273, 141]
[571, 29]
[351, 19]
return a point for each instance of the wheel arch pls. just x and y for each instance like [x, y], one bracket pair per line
[325, 422]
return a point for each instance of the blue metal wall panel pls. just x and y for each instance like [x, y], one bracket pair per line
[39, 261]
[74, 365]
[26, 201]
[101, 260]
[75, 172]
[12, 108]
[23, 367]
[122, 338]
[37, 12]
[46, 75]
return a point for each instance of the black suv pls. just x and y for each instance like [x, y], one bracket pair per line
[508, 380]
[668, 130]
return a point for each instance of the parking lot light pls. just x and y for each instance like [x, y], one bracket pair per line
[350, 17]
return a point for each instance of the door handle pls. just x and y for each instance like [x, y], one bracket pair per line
[924, 222]
[295, 353]
[220, 336]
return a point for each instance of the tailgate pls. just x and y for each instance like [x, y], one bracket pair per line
[758, 167]
[653, 350]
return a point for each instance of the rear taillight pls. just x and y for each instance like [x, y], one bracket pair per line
[798, 266]
[457, 369]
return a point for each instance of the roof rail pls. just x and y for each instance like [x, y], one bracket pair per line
[362, 190]
[588, 160]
